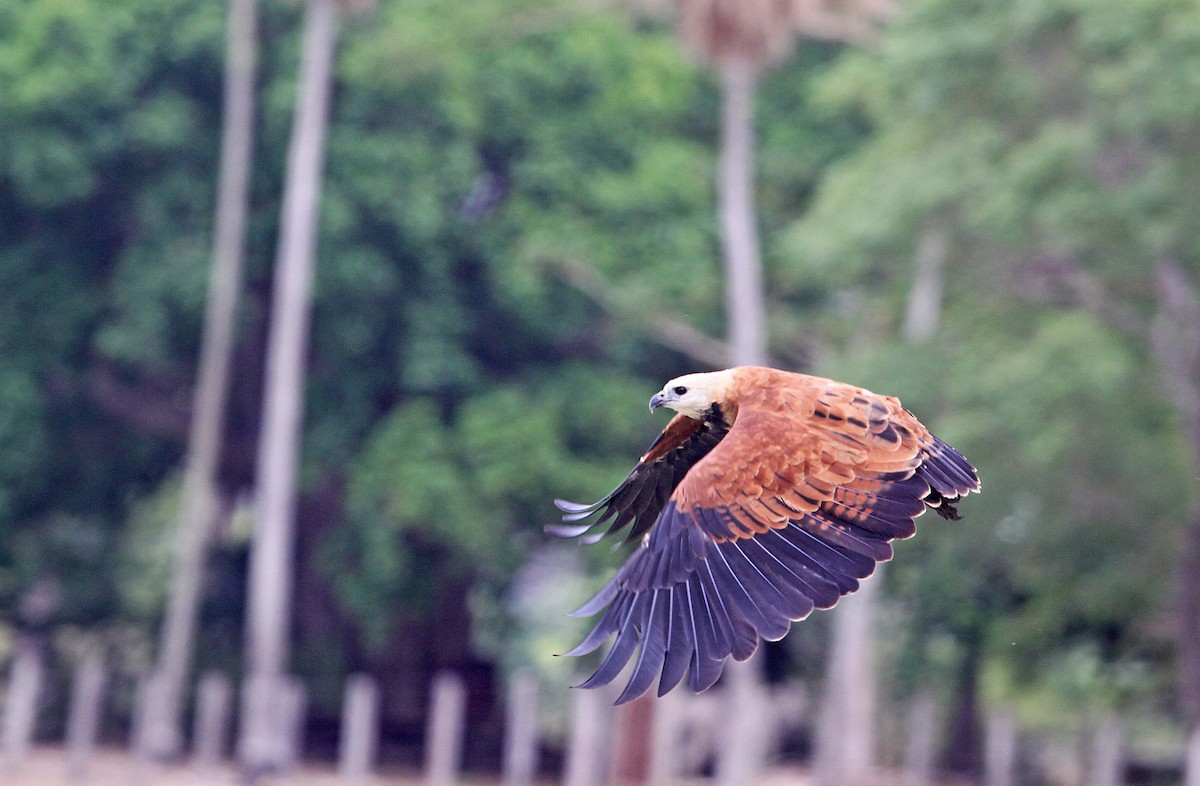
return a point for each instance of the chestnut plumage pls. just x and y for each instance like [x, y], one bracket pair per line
[768, 495]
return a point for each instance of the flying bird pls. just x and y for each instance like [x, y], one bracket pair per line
[769, 494]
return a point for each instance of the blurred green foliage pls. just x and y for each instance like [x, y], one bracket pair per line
[459, 381]
[1051, 142]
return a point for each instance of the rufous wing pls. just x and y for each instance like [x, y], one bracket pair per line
[785, 514]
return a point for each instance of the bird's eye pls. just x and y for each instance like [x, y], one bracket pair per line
[680, 390]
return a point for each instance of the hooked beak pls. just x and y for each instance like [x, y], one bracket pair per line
[657, 401]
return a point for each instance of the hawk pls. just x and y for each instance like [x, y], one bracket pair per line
[768, 495]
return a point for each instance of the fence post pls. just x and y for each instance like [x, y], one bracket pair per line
[294, 701]
[360, 729]
[210, 732]
[921, 746]
[148, 694]
[444, 737]
[587, 747]
[83, 718]
[741, 763]
[1106, 751]
[20, 705]
[521, 731]
[274, 743]
[1191, 774]
[665, 758]
[633, 735]
[1000, 748]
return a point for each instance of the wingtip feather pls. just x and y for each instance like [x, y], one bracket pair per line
[566, 530]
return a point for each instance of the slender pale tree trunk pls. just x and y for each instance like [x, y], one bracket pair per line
[164, 707]
[846, 729]
[924, 310]
[741, 761]
[846, 734]
[270, 583]
[1175, 340]
[744, 297]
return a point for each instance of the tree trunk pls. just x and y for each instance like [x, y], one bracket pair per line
[741, 761]
[742, 758]
[965, 739]
[1175, 340]
[163, 724]
[1187, 610]
[923, 312]
[846, 731]
[270, 581]
[846, 739]
[920, 751]
[745, 303]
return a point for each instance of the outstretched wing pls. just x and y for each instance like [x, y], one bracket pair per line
[786, 514]
[642, 495]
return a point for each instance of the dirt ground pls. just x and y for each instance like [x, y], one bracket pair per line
[47, 766]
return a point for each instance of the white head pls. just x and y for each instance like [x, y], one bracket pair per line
[693, 394]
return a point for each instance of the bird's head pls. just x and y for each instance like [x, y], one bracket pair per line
[694, 394]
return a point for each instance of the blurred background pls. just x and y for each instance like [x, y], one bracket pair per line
[514, 220]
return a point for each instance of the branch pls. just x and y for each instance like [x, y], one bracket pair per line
[1050, 278]
[664, 327]
[146, 407]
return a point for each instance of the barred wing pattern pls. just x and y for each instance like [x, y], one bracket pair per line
[784, 514]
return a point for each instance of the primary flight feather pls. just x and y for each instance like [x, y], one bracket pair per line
[769, 494]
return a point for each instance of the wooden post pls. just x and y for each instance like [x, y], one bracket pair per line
[629, 757]
[20, 706]
[294, 701]
[137, 718]
[83, 718]
[1000, 748]
[1191, 775]
[845, 739]
[521, 731]
[150, 699]
[701, 727]
[591, 718]
[444, 736]
[210, 733]
[1106, 761]
[921, 748]
[360, 729]
[746, 709]
[665, 758]
[270, 745]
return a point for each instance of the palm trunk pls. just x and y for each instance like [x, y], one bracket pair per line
[270, 583]
[164, 715]
[745, 307]
[742, 760]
